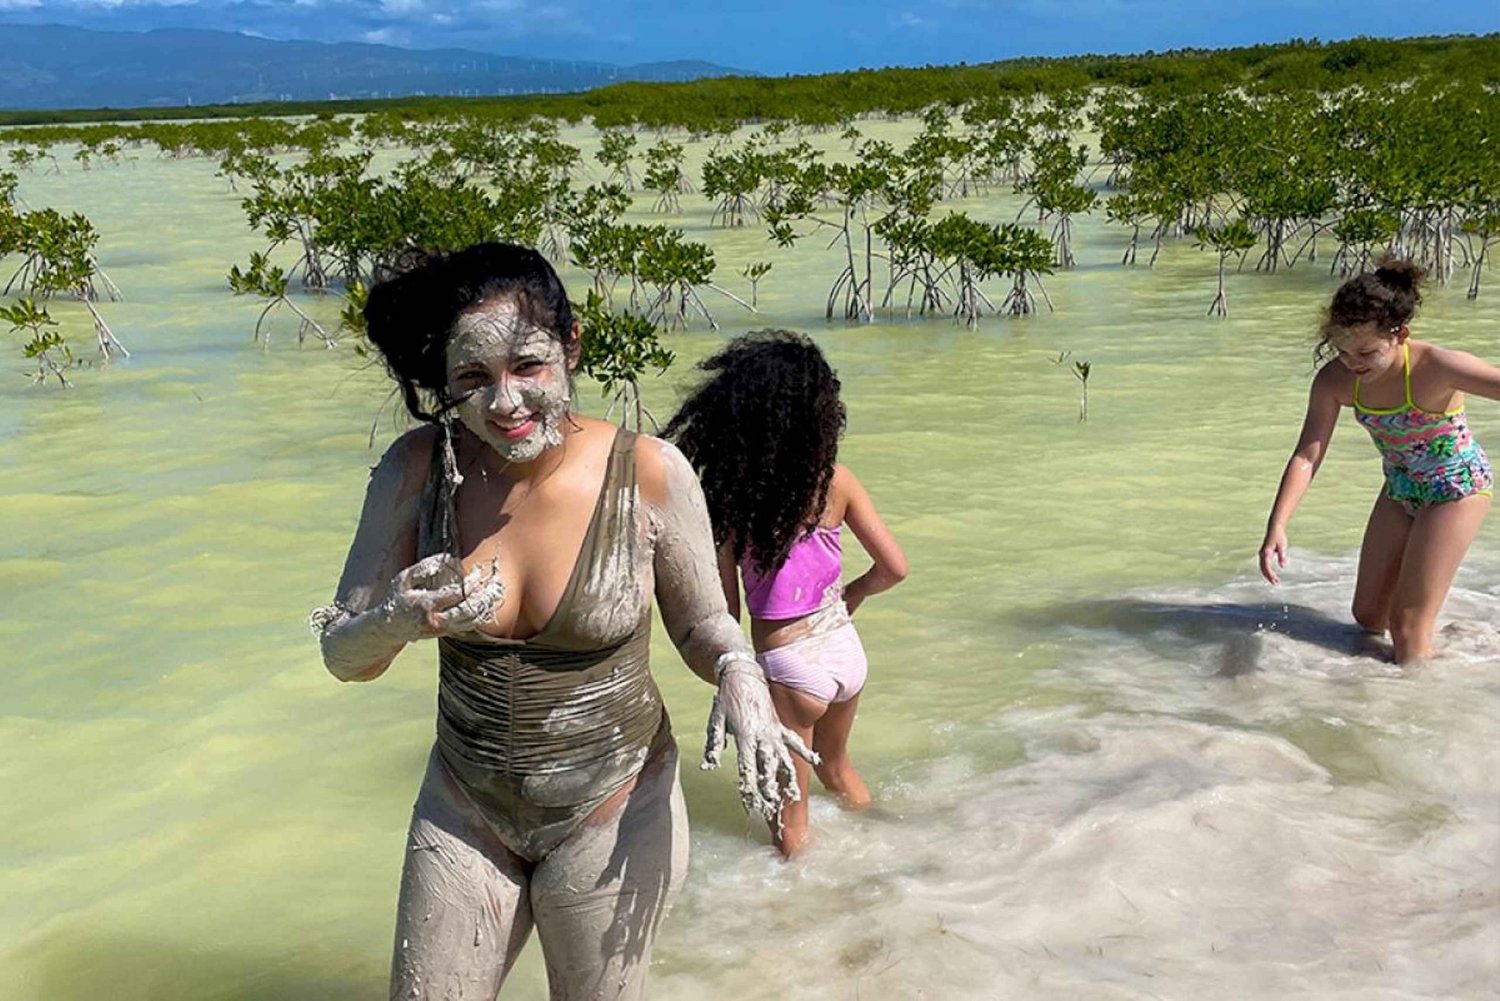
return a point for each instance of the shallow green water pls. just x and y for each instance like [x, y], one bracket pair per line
[1076, 799]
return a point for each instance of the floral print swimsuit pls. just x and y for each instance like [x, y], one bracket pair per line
[1429, 458]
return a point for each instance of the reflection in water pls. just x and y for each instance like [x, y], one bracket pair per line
[1108, 763]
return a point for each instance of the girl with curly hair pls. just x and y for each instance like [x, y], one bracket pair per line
[762, 431]
[1438, 484]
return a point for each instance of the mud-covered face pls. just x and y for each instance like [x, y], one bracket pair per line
[511, 380]
[1369, 351]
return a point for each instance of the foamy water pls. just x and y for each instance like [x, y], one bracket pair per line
[1109, 761]
[1224, 797]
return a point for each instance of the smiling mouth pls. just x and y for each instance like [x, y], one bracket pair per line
[518, 429]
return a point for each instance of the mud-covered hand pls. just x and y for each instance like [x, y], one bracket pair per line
[742, 707]
[433, 597]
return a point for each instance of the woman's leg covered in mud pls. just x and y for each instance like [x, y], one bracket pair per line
[800, 712]
[1380, 563]
[599, 897]
[830, 738]
[1440, 537]
[463, 915]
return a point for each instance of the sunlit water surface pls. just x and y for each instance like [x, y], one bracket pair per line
[1109, 762]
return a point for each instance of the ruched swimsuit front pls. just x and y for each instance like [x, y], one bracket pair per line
[539, 732]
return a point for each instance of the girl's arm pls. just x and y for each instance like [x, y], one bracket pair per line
[690, 594]
[384, 601]
[1469, 373]
[1317, 430]
[729, 579]
[889, 567]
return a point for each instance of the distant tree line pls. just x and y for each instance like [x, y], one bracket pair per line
[1302, 149]
[1300, 64]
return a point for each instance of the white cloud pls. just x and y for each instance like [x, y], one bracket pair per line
[386, 36]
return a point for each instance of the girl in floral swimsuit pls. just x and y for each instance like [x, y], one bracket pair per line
[763, 433]
[1438, 483]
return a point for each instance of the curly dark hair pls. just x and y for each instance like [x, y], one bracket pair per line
[1387, 297]
[414, 304]
[762, 430]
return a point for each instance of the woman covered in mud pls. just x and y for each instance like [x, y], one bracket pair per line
[529, 540]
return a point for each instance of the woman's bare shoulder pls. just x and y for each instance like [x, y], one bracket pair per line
[655, 459]
[402, 469]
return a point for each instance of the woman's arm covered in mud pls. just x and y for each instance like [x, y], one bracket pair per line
[691, 598]
[689, 589]
[384, 599]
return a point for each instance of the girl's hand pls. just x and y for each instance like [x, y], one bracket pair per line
[432, 597]
[742, 707]
[1273, 554]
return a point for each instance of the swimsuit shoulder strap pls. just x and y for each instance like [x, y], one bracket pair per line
[1406, 372]
[619, 484]
[612, 525]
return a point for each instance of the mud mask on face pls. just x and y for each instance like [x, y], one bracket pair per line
[511, 380]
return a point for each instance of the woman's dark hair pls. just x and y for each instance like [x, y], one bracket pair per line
[1387, 297]
[763, 433]
[414, 304]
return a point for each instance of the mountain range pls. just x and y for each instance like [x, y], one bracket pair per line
[53, 66]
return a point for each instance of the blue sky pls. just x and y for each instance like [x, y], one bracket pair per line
[781, 36]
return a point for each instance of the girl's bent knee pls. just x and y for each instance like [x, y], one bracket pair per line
[1371, 620]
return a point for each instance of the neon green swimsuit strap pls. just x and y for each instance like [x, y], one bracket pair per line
[1405, 382]
[1406, 372]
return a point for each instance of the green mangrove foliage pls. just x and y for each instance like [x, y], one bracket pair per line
[1234, 237]
[616, 148]
[665, 177]
[617, 349]
[1057, 193]
[56, 254]
[1363, 147]
[1409, 170]
[825, 100]
[1081, 371]
[753, 273]
[268, 282]
[44, 345]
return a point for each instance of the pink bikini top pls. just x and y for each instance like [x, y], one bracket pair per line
[800, 585]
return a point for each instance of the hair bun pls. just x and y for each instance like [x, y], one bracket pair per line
[1399, 274]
